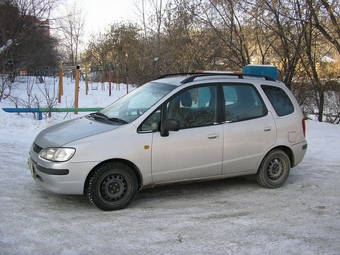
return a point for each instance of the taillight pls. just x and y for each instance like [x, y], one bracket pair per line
[304, 126]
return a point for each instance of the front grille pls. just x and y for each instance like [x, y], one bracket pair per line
[36, 148]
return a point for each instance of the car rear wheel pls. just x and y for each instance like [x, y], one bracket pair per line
[274, 169]
[112, 186]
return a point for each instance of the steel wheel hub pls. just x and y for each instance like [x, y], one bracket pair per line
[275, 169]
[113, 187]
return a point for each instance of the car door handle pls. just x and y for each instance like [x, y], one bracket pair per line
[267, 129]
[213, 136]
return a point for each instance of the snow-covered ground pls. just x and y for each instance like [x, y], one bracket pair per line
[231, 216]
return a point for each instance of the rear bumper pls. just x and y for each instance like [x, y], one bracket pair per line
[299, 152]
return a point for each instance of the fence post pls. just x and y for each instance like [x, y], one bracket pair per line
[86, 80]
[110, 78]
[76, 89]
[60, 88]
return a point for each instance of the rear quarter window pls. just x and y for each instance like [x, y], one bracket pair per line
[279, 100]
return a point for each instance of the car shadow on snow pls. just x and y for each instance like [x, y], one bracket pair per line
[151, 196]
[163, 196]
[197, 190]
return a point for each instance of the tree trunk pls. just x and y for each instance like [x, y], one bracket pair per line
[321, 106]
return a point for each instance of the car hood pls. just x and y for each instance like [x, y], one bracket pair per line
[72, 130]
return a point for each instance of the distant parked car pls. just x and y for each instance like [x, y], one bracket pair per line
[174, 129]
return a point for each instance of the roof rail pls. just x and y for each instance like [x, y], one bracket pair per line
[174, 74]
[239, 75]
[195, 75]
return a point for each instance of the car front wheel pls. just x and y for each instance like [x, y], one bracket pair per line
[112, 186]
[274, 169]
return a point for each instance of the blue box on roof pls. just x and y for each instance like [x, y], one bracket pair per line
[267, 70]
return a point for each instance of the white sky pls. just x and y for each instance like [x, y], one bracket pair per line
[100, 13]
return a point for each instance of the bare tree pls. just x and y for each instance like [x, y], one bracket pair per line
[142, 12]
[227, 21]
[120, 46]
[71, 29]
[326, 18]
[22, 36]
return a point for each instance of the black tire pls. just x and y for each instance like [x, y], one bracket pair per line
[113, 186]
[274, 169]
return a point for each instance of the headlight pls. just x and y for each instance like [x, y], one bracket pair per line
[57, 154]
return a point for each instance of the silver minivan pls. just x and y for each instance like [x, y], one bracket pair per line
[174, 129]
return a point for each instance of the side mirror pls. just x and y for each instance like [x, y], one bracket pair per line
[169, 125]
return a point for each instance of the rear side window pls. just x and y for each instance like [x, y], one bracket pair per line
[242, 102]
[279, 100]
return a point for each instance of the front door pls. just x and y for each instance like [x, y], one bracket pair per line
[196, 150]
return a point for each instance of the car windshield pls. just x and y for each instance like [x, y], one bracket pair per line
[134, 104]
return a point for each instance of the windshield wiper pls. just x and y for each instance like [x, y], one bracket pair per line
[104, 117]
[99, 115]
[118, 120]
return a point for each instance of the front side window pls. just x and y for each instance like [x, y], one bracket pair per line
[242, 102]
[151, 123]
[279, 100]
[194, 107]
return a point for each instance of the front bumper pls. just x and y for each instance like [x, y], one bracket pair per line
[33, 165]
[61, 178]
